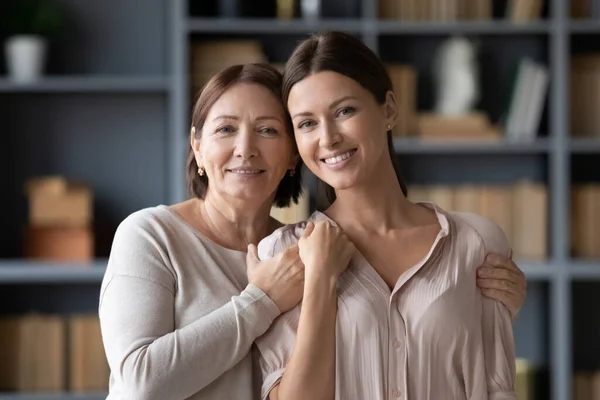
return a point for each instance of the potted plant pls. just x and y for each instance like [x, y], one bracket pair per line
[29, 24]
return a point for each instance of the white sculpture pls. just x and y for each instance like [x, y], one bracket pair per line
[456, 77]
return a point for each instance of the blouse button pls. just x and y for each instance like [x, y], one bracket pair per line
[396, 393]
[397, 343]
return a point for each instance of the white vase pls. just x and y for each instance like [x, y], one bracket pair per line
[25, 57]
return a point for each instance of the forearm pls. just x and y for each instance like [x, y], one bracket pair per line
[310, 372]
[154, 363]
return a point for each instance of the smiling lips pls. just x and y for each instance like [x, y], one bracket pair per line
[339, 158]
[246, 171]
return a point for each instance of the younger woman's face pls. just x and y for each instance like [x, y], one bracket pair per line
[340, 128]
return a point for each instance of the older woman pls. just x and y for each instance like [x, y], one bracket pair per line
[182, 300]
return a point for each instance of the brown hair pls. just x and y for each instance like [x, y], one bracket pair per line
[290, 187]
[347, 55]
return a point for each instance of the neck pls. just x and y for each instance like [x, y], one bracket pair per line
[375, 206]
[235, 224]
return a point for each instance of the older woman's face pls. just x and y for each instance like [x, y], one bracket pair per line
[244, 147]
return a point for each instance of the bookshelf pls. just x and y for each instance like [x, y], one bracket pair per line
[114, 112]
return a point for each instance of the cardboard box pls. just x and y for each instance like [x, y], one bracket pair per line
[59, 243]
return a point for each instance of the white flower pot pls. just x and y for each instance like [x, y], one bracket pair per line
[25, 57]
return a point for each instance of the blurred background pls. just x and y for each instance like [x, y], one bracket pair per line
[499, 114]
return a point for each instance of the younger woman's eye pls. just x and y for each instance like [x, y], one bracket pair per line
[346, 111]
[305, 124]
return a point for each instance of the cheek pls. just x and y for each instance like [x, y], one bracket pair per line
[278, 152]
[305, 147]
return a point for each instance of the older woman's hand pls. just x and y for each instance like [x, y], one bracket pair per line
[280, 277]
[501, 279]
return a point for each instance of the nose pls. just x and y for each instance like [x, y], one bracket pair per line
[245, 144]
[330, 135]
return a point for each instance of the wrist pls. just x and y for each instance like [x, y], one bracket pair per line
[320, 280]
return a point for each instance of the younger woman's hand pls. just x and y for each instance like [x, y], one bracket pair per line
[325, 250]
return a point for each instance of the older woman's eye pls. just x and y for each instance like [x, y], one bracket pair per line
[225, 129]
[268, 131]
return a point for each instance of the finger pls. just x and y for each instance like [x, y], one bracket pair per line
[498, 295]
[500, 284]
[310, 227]
[252, 256]
[293, 250]
[496, 260]
[498, 273]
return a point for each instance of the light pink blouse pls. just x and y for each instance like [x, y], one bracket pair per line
[434, 337]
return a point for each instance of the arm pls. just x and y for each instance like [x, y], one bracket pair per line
[499, 351]
[310, 373]
[496, 323]
[148, 357]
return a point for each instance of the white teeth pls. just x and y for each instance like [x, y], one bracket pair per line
[337, 159]
[246, 171]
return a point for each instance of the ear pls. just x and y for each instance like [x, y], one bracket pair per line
[294, 161]
[390, 108]
[195, 143]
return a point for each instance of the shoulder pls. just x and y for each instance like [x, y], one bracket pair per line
[147, 223]
[489, 232]
[280, 239]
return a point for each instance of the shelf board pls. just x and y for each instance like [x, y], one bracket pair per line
[497, 27]
[537, 271]
[585, 270]
[87, 84]
[416, 146]
[33, 271]
[584, 26]
[583, 146]
[52, 396]
[271, 25]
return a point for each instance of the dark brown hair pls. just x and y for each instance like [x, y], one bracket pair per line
[347, 55]
[290, 187]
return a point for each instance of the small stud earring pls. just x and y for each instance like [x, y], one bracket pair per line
[389, 127]
[201, 171]
[292, 172]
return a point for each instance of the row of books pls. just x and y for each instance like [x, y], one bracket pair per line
[585, 9]
[585, 95]
[520, 209]
[585, 220]
[586, 385]
[521, 120]
[453, 10]
[52, 353]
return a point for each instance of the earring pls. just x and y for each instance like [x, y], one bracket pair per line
[292, 172]
[389, 127]
[200, 171]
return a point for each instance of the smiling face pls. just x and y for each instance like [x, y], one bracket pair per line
[340, 129]
[243, 146]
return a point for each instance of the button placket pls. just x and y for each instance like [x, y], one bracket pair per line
[396, 356]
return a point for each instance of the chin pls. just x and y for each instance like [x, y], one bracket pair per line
[341, 183]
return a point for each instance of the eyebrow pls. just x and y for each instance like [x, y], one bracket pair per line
[333, 105]
[262, 118]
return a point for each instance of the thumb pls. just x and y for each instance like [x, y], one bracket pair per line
[310, 227]
[252, 256]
